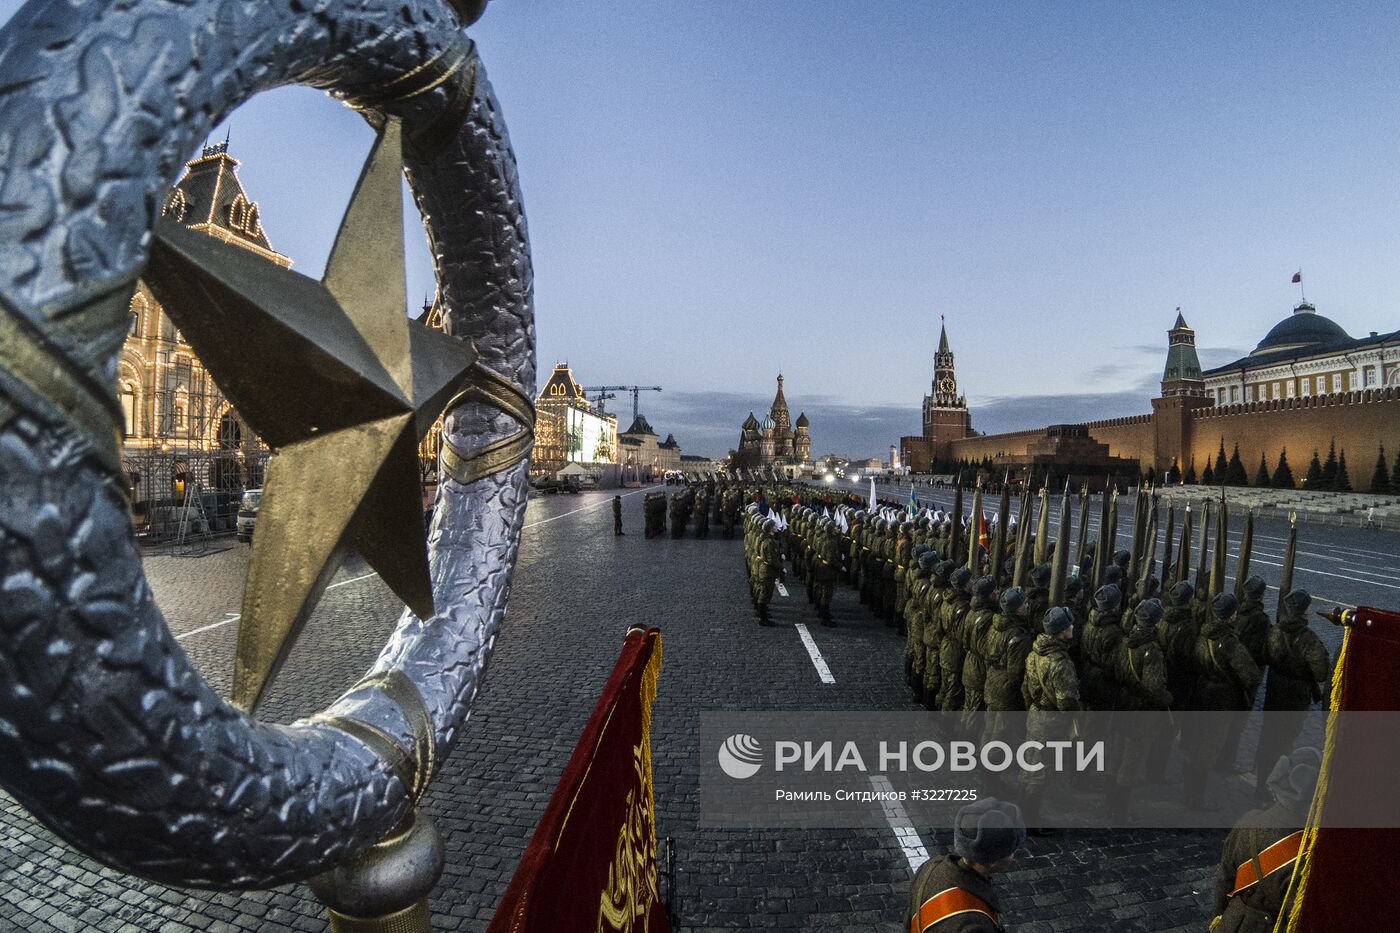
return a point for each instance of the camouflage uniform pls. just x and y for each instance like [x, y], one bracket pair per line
[977, 623]
[1099, 649]
[826, 563]
[951, 649]
[769, 570]
[1050, 689]
[914, 616]
[1226, 676]
[1007, 645]
[1298, 666]
[1142, 680]
[1253, 628]
[937, 595]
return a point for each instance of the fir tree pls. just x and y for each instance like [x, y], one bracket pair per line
[1329, 467]
[1191, 472]
[1220, 464]
[1234, 471]
[1208, 477]
[1380, 480]
[1314, 478]
[1261, 476]
[1395, 476]
[1173, 473]
[1151, 476]
[1343, 482]
[1283, 474]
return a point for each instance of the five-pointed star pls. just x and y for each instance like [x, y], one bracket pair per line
[337, 380]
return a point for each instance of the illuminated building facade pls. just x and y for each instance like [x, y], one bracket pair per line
[567, 428]
[179, 432]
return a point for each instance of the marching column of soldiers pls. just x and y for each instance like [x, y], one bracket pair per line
[997, 619]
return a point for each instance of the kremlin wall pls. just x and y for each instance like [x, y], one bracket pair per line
[1189, 423]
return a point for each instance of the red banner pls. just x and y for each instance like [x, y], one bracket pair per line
[591, 864]
[1346, 877]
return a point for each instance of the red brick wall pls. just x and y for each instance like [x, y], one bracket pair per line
[1359, 421]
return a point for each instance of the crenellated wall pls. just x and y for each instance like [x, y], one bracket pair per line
[1358, 421]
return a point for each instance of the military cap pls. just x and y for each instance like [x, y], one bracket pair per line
[1057, 620]
[988, 831]
[984, 587]
[1122, 558]
[1297, 601]
[928, 560]
[1108, 597]
[1040, 576]
[1181, 594]
[1225, 605]
[918, 550]
[1148, 612]
[769, 526]
[1074, 584]
[1012, 598]
[943, 570]
[960, 577]
[1255, 586]
[1113, 574]
[1295, 777]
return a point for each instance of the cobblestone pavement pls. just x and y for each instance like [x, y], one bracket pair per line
[576, 591]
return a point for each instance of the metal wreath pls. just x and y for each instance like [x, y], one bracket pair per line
[107, 733]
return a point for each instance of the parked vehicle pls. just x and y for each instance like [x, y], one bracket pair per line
[248, 515]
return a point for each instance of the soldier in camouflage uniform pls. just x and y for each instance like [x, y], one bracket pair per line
[939, 588]
[702, 513]
[1006, 648]
[953, 893]
[826, 563]
[977, 623]
[680, 513]
[1253, 625]
[769, 569]
[1298, 669]
[914, 616]
[903, 556]
[1039, 591]
[1226, 678]
[1142, 689]
[1050, 689]
[1176, 636]
[956, 605]
[889, 553]
[1253, 887]
[1099, 646]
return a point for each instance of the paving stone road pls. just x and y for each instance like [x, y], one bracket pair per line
[577, 590]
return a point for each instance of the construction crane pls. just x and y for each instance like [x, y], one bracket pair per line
[598, 398]
[635, 390]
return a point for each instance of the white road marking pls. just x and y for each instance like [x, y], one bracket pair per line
[232, 617]
[353, 580]
[817, 660]
[782, 590]
[904, 832]
[235, 616]
[587, 508]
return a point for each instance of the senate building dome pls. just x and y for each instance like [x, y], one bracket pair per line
[1303, 328]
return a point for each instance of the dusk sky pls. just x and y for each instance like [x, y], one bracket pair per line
[719, 191]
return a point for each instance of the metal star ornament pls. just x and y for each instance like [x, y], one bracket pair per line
[340, 384]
